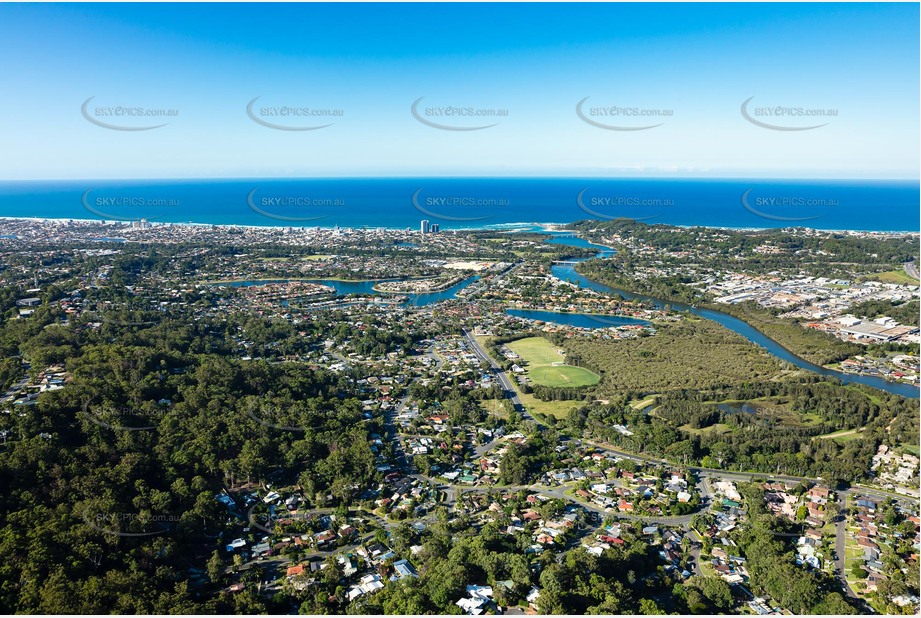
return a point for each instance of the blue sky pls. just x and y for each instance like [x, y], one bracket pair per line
[694, 64]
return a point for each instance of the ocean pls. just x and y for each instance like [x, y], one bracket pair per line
[465, 203]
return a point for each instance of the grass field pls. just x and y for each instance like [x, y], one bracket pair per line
[556, 409]
[717, 428]
[640, 404]
[546, 366]
[893, 276]
[494, 407]
[845, 435]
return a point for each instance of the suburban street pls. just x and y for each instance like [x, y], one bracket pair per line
[453, 493]
[503, 378]
[704, 474]
[840, 542]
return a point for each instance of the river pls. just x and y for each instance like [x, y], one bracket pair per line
[567, 272]
[579, 320]
[366, 288]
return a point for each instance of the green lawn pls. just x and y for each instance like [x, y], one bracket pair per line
[494, 407]
[640, 404]
[557, 409]
[537, 350]
[807, 419]
[545, 364]
[893, 276]
[717, 428]
[845, 435]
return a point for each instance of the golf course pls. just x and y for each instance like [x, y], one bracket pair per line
[546, 365]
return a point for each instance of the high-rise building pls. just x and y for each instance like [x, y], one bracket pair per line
[424, 226]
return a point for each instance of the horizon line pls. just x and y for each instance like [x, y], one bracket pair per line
[472, 177]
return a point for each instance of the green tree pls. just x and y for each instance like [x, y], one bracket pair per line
[216, 569]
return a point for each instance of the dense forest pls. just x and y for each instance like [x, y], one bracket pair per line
[782, 435]
[156, 420]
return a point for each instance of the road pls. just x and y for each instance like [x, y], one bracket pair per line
[840, 542]
[482, 449]
[504, 380]
[454, 493]
[14, 390]
[700, 472]
[393, 436]
[696, 546]
[430, 352]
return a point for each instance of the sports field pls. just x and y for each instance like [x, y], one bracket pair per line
[547, 366]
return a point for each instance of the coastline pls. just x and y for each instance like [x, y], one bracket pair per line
[545, 227]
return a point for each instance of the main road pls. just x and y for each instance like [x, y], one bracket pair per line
[507, 386]
[700, 472]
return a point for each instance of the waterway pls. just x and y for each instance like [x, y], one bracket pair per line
[567, 272]
[366, 288]
[578, 320]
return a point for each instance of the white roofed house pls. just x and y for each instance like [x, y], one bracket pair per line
[368, 584]
[479, 599]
